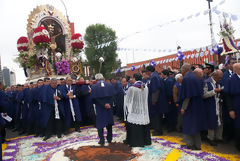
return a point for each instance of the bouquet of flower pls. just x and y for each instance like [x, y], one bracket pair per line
[41, 37]
[62, 67]
[77, 43]
[22, 44]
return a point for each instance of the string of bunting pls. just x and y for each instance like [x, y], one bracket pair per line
[205, 12]
[196, 53]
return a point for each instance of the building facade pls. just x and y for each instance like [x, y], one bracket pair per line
[12, 78]
[6, 76]
[1, 73]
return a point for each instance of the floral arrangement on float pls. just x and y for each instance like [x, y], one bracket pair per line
[41, 37]
[25, 60]
[226, 34]
[62, 67]
[41, 58]
[77, 43]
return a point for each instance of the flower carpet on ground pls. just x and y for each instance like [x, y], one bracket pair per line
[83, 146]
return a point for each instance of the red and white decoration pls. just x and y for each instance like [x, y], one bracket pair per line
[77, 41]
[22, 44]
[41, 35]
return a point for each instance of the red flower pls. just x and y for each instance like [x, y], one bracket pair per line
[77, 42]
[77, 45]
[41, 35]
[76, 36]
[22, 44]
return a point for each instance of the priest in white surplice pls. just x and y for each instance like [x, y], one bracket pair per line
[137, 117]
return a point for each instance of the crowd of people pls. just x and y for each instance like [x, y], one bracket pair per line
[202, 102]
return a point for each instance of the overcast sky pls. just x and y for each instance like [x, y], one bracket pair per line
[125, 17]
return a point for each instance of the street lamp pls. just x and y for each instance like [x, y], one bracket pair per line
[211, 30]
[86, 67]
[101, 60]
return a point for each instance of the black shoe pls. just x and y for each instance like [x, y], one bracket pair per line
[212, 142]
[46, 138]
[109, 141]
[3, 141]
[196, 148]
[188, 147]
[125, 141]
[41, 135]
[101, 142]
[59, 136]
[21, 133]
[30, 133]
[77, 130]
[171, 129]
[36, 135]
[65, 133]
[14, 130]
[220, 141]
[157, 133]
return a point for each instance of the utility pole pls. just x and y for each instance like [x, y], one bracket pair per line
[211, 30]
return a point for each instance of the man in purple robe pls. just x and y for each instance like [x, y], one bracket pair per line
[2, 121]
[232, 89]
[18, 116]
[25, 108]
[145, 76]
[192, 108]
[83, 91]
[71, 105]
[157, 100]
[212, 102]
[118, 98]
[53, 111]
[102, 97]
[37, 101]
[172, 110]
[44, 111]
[3, 106]
[32, 108]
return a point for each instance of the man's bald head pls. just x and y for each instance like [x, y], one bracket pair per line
[198, 72]
[185, 68]
[217, 75]
[236, 68]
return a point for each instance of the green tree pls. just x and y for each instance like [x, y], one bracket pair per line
[96, 35]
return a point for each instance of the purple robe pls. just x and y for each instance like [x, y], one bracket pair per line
[194, 119]
[232, 88]
[101, 96]
[32, 106]
[3, 105]
[82, 91]
[68, 118]
[26, 105]
[118, 98]
[38, 99]
[156, 83]
[210, 107]
[19, 107]
[48, 104]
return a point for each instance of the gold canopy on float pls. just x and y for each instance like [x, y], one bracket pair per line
[59, 33]
[49, 13]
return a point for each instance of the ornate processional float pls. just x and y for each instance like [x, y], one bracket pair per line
[49, 50]
[230, 48]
